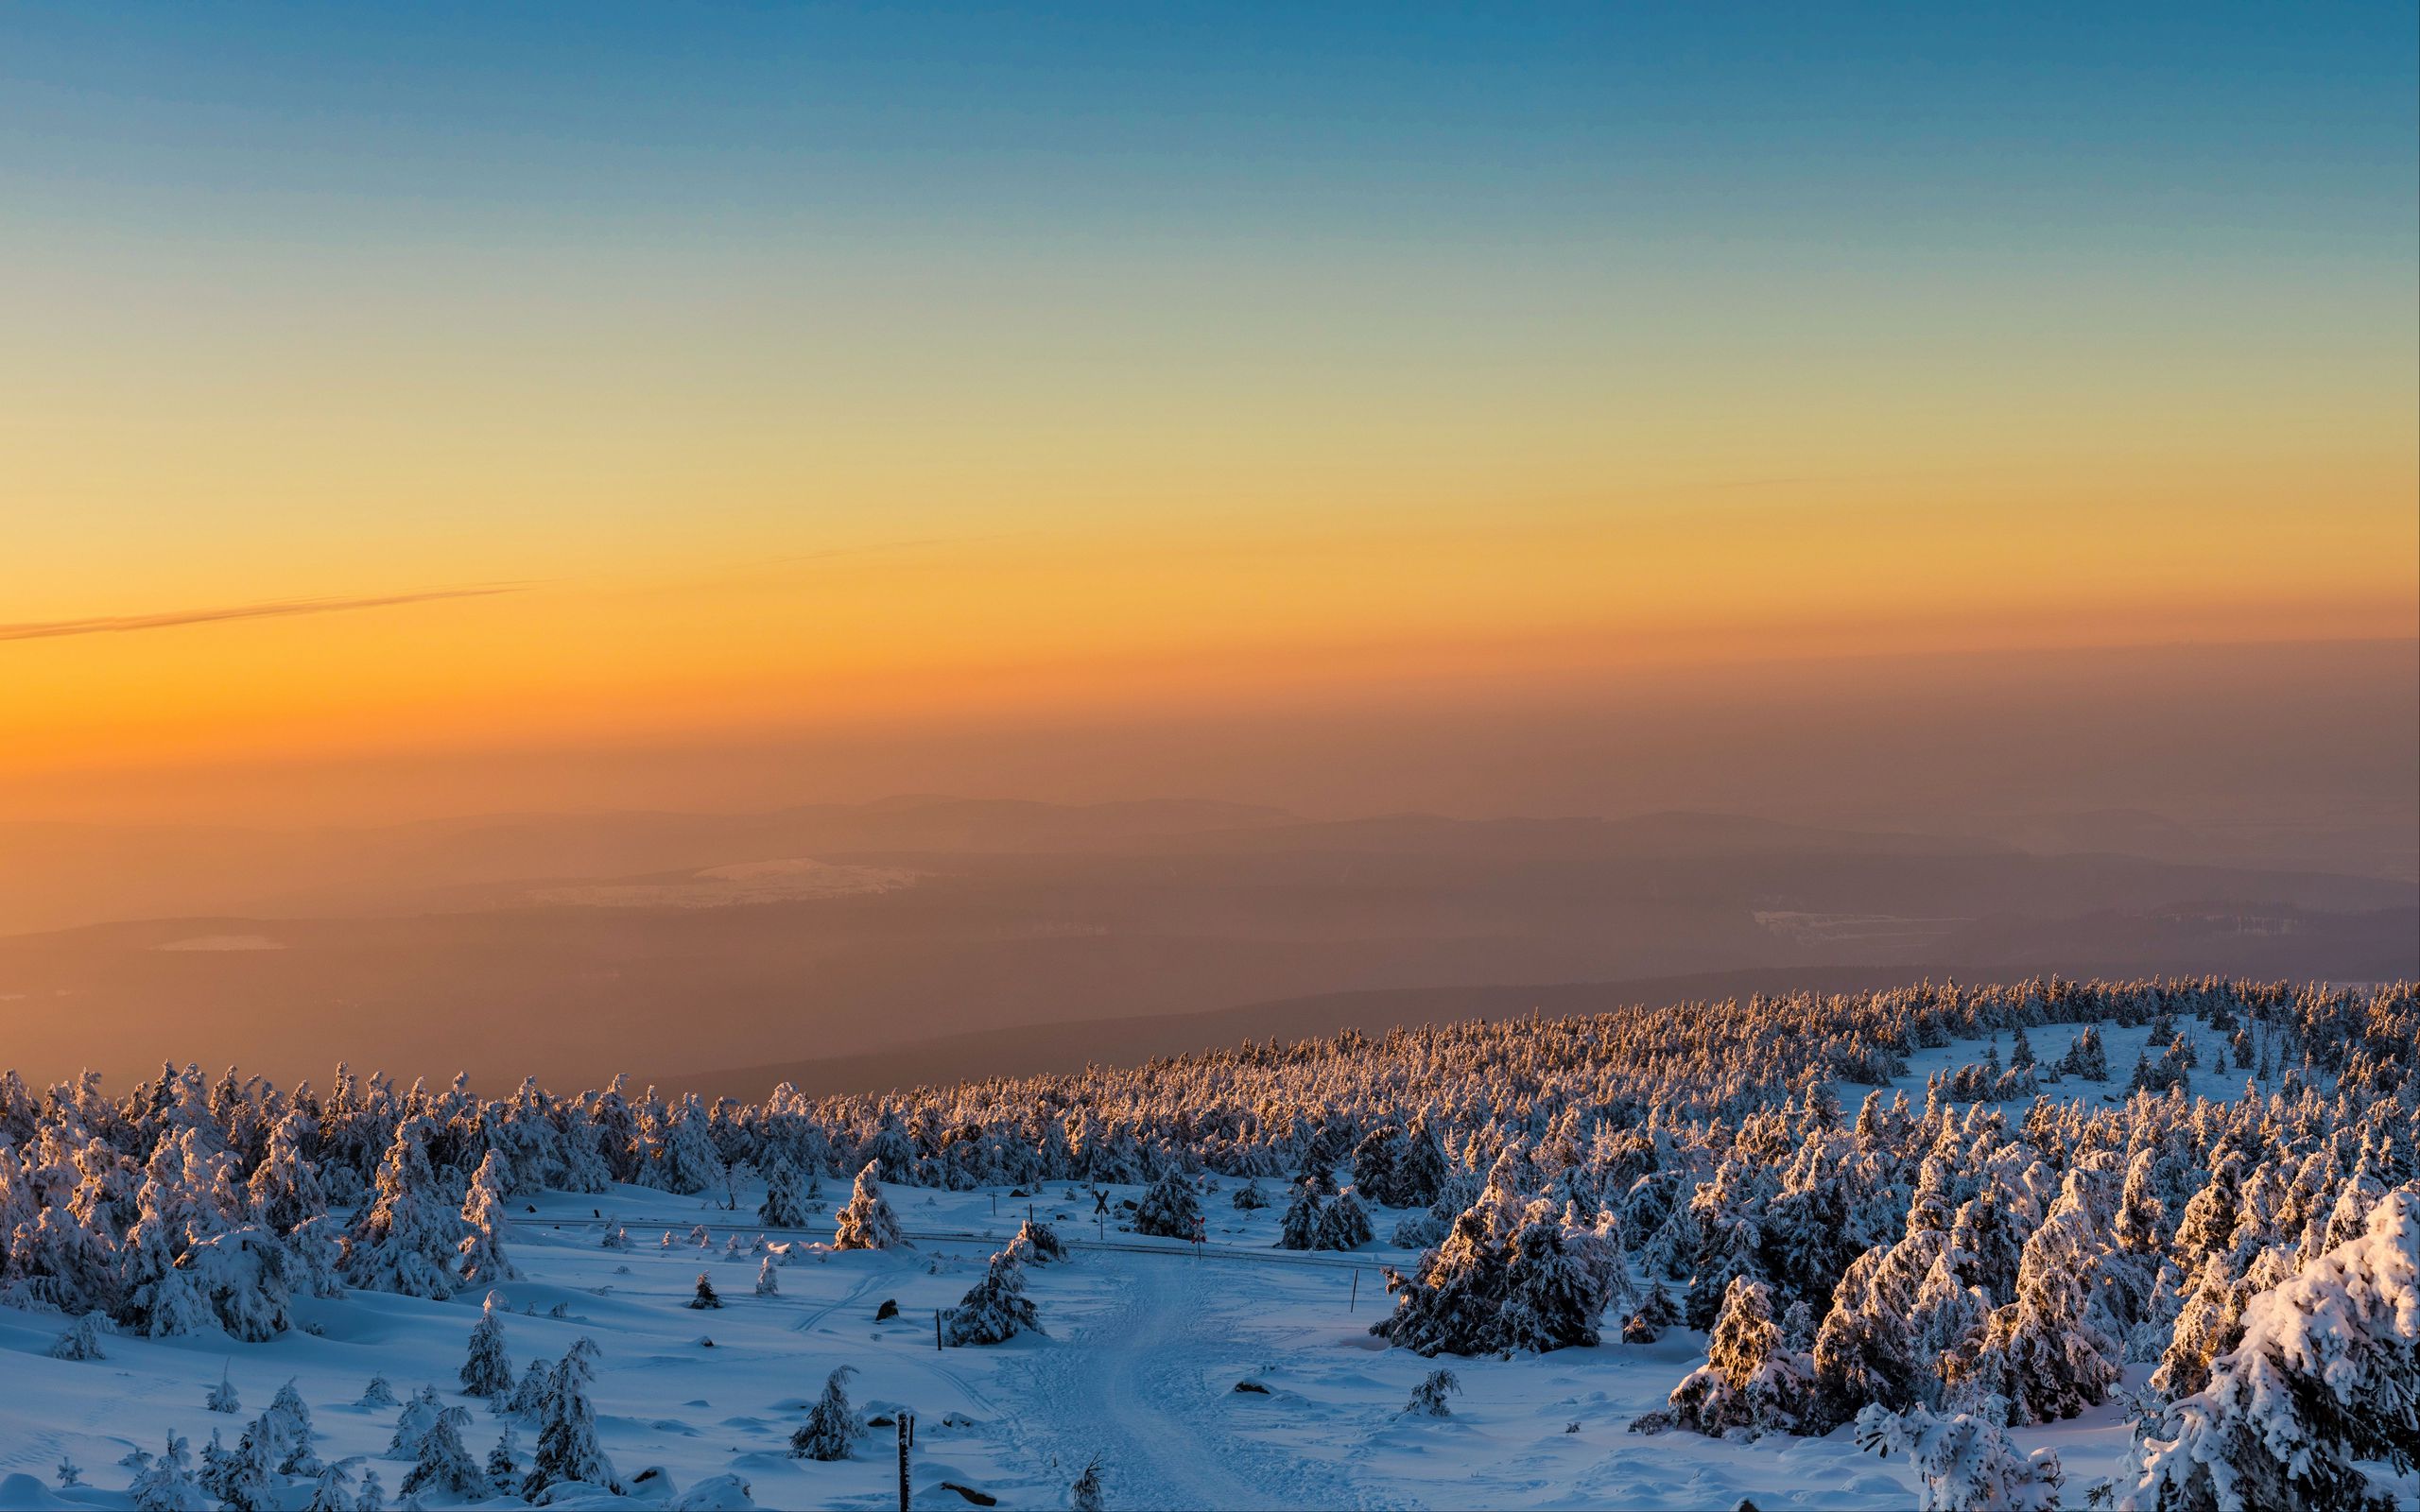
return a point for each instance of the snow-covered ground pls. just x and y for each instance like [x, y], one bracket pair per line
[1145, 1342]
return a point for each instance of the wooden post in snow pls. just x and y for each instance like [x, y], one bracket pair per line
[1355, 1300]
[936, 1330]
[907, 1437]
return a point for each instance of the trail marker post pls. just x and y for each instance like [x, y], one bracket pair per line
[907, 1438]
[1354, 1300]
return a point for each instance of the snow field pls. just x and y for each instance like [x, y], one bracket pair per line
[1145, 1342]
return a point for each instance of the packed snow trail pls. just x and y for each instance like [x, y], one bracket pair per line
[1134, 1385]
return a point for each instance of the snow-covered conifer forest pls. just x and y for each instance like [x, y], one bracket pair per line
[2146, 1245]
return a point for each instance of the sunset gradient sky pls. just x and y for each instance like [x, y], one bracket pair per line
[465, 379]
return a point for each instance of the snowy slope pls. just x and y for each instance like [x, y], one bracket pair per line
[1146, 1341]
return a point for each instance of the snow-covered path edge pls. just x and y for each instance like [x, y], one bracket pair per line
[1138, 1384]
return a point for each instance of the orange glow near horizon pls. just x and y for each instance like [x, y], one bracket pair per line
[1037, 622]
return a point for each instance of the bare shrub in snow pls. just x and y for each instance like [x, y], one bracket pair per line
[1085, 1495]
[1428, 1397]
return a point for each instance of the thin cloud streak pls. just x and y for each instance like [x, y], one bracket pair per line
[273, 608]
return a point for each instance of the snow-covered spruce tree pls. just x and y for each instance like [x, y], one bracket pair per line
[785, 1206]
[1731, 1250]
[996, 1309]
[1870, 1348]
[1809, 1230]
[1344, 1224]
[1375, 1160]
[2327, 1375]
[1428, 1397]
[1249, 1197]
[1597, 1249]
[406, 1239]
[218, 1462]
[316, 1246]
[2088, 1059]
[1300, 1227]
[889, 1147]
[483, 1262]
[1965, 1462]
[1751, 1382]
[167, 1484]
[1449, 1305]
[414, 1423]
[1798, 1327]
[444, 1466]
[284, 1187]
[1551, 1300]
[81, 1340]
[55, 1261]
[290, 1416]
[379, 1393]
[223, 1397]
[487, 1369]
[832, 1425]
[532, 1394]
[2209, 1224]
[1169, 1210]
[568, 1448]
[1038, 1243]
[867, 1222]
[1656, 1311]
[2206, 1326]
[707, 1297]
[684, 1160]
[1420, 1170]
[239, 1278]
[328, 1493]
[240, 1477]
[1987, 1248]
[1432, 1224]
[2040, 1353]
[504, 1463]
[769, 1279]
